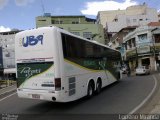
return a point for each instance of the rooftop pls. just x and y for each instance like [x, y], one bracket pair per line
[10, 32]
[128, 28]
[72, 16]
[154, 24]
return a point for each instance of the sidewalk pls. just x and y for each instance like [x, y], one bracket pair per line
[152, 106]
[156, 105]
[6, 83]
[156, 109]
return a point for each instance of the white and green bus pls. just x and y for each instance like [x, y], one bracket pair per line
[55, 65]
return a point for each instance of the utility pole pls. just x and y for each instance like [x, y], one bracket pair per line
[153, 45]
[136, 57]
[136, 46]
[43, 9]
[154, 51]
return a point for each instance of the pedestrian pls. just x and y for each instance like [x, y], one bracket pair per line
[128, 71]
[157, 66]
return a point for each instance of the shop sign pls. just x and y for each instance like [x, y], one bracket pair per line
[143, 49]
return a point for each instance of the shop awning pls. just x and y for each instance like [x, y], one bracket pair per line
[9, 70]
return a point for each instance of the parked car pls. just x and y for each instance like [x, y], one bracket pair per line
[143, 70]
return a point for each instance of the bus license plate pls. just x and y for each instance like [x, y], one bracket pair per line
[35, 96]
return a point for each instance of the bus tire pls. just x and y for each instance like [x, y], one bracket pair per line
[98, 86]
[90, 89]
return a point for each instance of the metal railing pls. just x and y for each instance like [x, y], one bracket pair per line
[6, 83]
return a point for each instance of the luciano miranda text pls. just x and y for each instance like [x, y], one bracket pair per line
[139, 116]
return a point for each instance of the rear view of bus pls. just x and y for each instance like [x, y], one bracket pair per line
[35, 52]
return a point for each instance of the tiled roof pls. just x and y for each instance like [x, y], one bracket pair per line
[154, 24]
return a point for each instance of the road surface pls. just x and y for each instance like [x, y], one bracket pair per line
[119, 98]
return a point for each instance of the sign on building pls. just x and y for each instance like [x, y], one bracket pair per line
[143, 49]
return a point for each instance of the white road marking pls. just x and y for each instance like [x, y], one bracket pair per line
[7, 96]
[7, 91]
[7, 87]
[147, 98]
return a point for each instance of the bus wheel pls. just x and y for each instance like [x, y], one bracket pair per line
[90, 89]
[98, 86]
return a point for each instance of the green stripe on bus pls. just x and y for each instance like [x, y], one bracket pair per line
[30, 70]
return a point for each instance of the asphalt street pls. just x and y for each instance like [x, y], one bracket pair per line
[119, 98]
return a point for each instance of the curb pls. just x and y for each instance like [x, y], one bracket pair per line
[147, 98]
[156, 106]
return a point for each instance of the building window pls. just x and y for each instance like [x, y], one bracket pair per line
[130, 44]
[128, 20]
[53, 21]
[75, 22]
[42, 20]
[142, 39]
[87, 35]
[60, 22]
[57, 22]
[157, 38]
[76, 33]
[133, 42]
[134, 20]
[115, 20]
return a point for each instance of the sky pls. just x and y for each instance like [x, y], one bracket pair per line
[21, 14]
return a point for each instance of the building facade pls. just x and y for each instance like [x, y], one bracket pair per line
[78, 25]
[7, 43]
[116, 41]
[138, 15]
[143, 47]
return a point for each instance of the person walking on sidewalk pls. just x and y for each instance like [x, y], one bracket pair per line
[128, 71]
[157, 66]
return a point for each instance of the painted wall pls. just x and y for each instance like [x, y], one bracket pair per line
[95, 29]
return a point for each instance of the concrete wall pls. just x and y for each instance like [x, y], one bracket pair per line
[84, 26]
[108, 16]
[81, 28]
[132, 16]
[8, 45]
[117, 26]
[135, 20]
